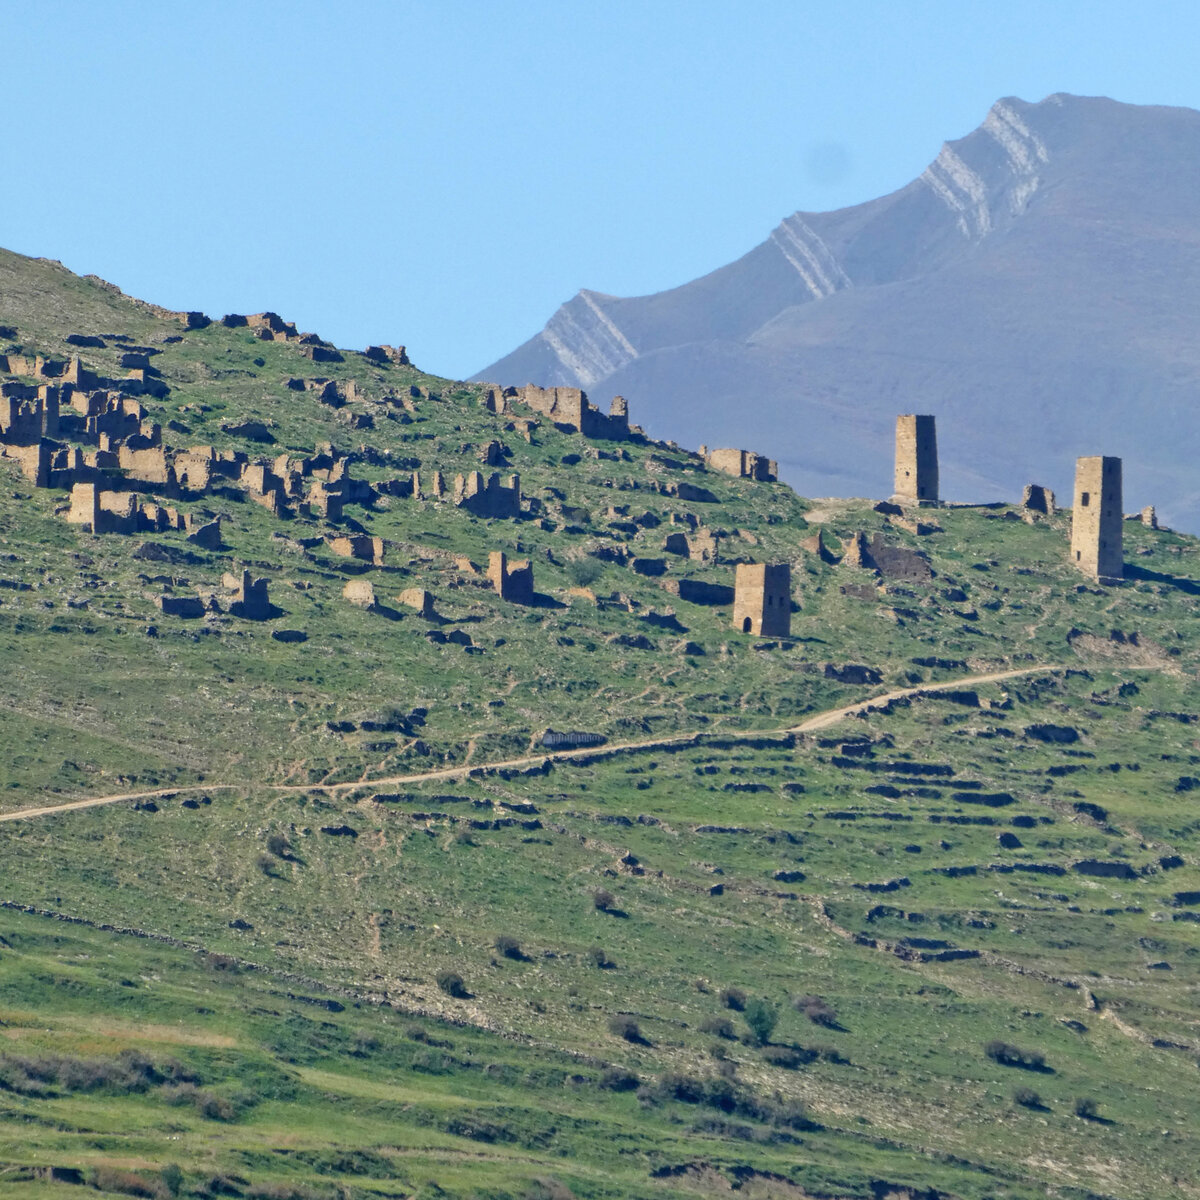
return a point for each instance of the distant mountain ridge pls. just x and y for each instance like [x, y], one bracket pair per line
[1037, 287]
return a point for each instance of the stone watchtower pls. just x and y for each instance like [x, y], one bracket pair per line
[1096, 518]
[916, 460]
[762, 599]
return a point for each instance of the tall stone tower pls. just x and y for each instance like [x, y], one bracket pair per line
[916, 460]
[1096, 518]
[762, 599]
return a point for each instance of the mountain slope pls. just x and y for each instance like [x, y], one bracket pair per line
[904, 904]
[1036, 288]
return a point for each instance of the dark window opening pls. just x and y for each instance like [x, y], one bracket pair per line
[746, 625]
[1085, 499]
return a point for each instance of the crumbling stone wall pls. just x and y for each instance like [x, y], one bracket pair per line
[1037, 498]
[513, 583]
[488, 498]
[571, 408]
[744, 464]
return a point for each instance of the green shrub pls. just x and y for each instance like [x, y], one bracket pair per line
[451, 982]
[761, 1017]
[790, 1058]
[599, 958]
[616, 1079]
[126, 1183]
[733, 998]
[1008, 1055]
[583, 572]
[818, 1010]
[627, 1028]
[509, 947]
[720, 1027]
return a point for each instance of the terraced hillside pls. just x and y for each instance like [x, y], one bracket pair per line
[905, 904]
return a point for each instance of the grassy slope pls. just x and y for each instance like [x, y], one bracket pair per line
[901, 1089]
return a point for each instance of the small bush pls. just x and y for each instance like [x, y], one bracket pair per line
[584, 572]
[720, 1027]
[549, 1188]
[172, 1178]
[603, 900]
[266, 864]
[432, 1062]
[761, 1017]
[208, 1105]
[599, 958]
[616, 1079]
[278, 845]
[1027, 1098]
[451, 982]
[509, 947]
[1008, 1055]
[790, 1058]
[733, 998]
[817, 1010]
[726, 1097]
[1087, 1109]
[126, 1183]
[627, 1028]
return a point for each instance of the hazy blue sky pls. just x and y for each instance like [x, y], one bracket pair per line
[444, 174]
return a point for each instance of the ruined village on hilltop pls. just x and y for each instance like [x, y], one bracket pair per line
[70, 428]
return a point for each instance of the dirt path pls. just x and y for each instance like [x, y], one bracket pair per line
[821, 720]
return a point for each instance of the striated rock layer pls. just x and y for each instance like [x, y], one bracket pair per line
[1037, 288]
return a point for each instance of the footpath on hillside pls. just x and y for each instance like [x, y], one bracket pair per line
[821, 720]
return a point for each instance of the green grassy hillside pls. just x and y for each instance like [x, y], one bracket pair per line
[349, 930]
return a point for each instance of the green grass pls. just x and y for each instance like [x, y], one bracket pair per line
[292, 971]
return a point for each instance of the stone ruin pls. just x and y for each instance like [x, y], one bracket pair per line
[360, 592]
[569, 408]
[699, 546]
[916, 480]
[1096, 519]
[385, 353]
[1038, 499]
[513, 583]
[896, 563]
[360, 545]
[250, 598]
[762, 602]
[744, 464]
[187, 607]
[419, 600]
[98, 511]
[488, 498]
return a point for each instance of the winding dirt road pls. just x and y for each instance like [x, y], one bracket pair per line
[822, 720]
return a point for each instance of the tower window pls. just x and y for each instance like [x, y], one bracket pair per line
[1085, 498]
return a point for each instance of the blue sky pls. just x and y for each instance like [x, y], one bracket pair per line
[445, 174]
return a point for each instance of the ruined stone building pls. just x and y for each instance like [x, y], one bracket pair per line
[490, 497]
[513, 583]
[743, 463]
[570, 408]
[762, 600]
[916, 460]
[1096, 518]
